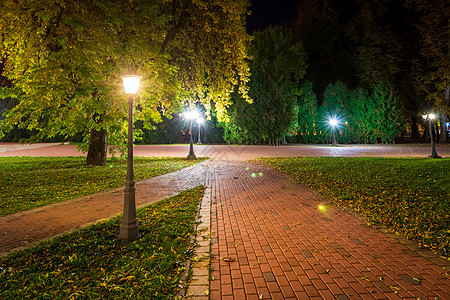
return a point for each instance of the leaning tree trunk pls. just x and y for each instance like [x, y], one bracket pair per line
[97, 148]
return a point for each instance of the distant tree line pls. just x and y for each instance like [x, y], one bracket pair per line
[377, 65]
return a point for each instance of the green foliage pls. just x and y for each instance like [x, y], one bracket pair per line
[207, 42]
[337, 104]
[65, 60]
[364, 120]
[308, 130]
[321, 26]
[387, 113]
[362, 43]
[378, 43]
[278, 62]
[92, 264]
[30, 182]
[409, 196]
[66, 74]
[433, 74]
[363, 117]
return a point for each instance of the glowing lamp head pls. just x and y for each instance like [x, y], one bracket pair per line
[431, 116]
[333, 122]
[191, 114]
[131, 83]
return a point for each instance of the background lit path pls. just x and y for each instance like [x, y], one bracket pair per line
[269, 238]
[226, 152]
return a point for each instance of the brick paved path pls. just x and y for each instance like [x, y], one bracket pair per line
[282, 246]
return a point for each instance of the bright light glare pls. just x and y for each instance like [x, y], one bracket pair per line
[200, 121]
[191, 114]
[333, 122]
[131, 83]
[322, 207]
[431, 116]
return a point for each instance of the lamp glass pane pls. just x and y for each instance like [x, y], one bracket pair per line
[131, 83]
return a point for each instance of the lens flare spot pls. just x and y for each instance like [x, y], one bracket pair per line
[253, 175]
[246, 169]
[322, 207]
[260, 174]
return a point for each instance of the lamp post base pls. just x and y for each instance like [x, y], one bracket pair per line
[434, 156]
[191, 156]
[129, 232]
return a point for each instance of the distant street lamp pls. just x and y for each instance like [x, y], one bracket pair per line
[333, 123]
[191, 115]
[199, 121]
[129, 228]
[430, 117]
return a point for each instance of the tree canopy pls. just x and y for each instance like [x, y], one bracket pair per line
[278, 64]
[65, 59]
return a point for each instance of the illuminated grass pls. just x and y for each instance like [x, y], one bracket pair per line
[30, 182]
[410, 196]
[92, 264]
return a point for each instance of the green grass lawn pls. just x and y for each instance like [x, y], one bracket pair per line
[410, 196]
[30, 182]
[92, 264]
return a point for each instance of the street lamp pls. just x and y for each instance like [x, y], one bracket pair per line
[129, 228]
[191, 115]
[199, 123]
[430, 117]
[333, 123]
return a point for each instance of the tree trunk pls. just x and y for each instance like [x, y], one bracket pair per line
[97, 148]
[425, 131]
[436, 131]
[414, 128]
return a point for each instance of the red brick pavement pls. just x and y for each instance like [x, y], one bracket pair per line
[282, 246]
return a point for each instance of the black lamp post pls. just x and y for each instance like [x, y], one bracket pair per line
[129, 228]
[333, 122]
[191, 115]
[199, 123]
[431, 117]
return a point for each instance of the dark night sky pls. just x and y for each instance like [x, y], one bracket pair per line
[270, 12]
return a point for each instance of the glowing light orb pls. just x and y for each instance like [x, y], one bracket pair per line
[333, 122]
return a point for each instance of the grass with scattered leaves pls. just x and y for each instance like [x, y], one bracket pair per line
[30, 182]
[92, 264]
[410, 196]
